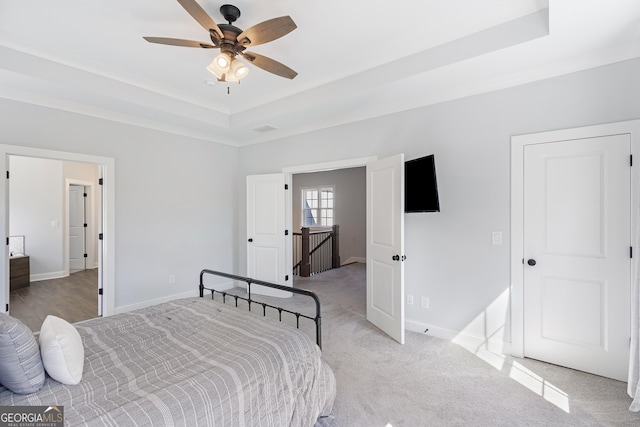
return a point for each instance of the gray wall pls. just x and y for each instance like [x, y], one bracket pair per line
[450, 258]
[179, 201]
[175, 197]
[350, 206]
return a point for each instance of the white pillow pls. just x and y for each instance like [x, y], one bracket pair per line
[62, 350]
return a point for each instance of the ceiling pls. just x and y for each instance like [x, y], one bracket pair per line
[356, 59]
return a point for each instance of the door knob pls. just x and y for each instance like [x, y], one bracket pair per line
[396, 257]
[250, 240]
[531, 262]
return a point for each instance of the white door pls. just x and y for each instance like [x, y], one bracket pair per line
[77, 230]
[101, 224]
[268, 239]
[385, 245]
[577, 266]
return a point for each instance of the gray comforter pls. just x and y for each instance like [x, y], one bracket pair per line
[192, 362]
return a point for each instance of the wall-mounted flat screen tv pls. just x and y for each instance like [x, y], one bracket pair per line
[420, 185]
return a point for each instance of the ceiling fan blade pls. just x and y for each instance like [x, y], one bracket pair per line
[267, 31]
[179, 42]
[199, 14]
[269, 65]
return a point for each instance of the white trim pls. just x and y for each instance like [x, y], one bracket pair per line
[108, 215]
[48, 276]
[518, 142]
[469, 341]
[327, 166]
[189, 294]
[353, 259]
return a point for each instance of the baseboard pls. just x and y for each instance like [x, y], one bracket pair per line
[354, 259]
[471, 342]
[48, 276]
[167, 298]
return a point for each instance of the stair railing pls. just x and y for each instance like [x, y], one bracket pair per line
[316, 250]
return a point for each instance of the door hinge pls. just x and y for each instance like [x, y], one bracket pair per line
[630, 159]
[100, 291]
[286, 232]
[85, 225]
[100, 236]
[630, 251]
[7, 174]
[85, 255]
[7, 241]
[286, 278]
[286, 186]
[100, 181]
[7, 309]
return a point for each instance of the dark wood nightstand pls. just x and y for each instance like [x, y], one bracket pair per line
[19, 272]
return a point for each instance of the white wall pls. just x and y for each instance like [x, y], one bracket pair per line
[175, 197]
[450, 258]
[36, 211]
[350, 206]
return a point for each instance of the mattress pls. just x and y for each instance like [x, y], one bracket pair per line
[192, 362]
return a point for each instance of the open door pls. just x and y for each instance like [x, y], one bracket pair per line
[385, 245]
[101, 227]
[77, 227]
[268, 238]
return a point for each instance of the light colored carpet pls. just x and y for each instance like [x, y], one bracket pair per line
[433, 382]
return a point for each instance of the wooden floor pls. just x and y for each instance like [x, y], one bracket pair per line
[73, 298]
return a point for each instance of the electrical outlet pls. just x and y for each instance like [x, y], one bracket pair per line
[172, 279]
[410, 299]
[424, 302]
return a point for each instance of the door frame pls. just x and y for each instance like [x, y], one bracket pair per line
[518, 143]
[90, 220]
[106, 256]
[315, 167]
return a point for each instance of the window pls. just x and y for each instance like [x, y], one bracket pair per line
[317, 207]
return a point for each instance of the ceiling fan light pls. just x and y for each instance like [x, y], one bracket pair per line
[238, 69]
[223, 61]
[220, 65]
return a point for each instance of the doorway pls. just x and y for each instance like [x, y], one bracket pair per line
[77, 228]
[105, 218]
[51, 205]
[80, 219]
[390, 319]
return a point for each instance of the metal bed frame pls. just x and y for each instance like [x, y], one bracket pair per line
[249, 281]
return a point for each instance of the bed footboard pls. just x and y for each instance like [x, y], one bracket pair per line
[249, 281]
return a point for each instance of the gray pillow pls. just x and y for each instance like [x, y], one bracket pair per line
[21, 369]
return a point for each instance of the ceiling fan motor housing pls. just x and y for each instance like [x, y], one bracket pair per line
[228, 42]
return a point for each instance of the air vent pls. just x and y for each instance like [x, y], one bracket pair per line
[265, 128]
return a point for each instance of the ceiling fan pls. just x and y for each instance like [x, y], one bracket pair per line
[233, 41]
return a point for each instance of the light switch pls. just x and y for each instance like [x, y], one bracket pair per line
[496, 238]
